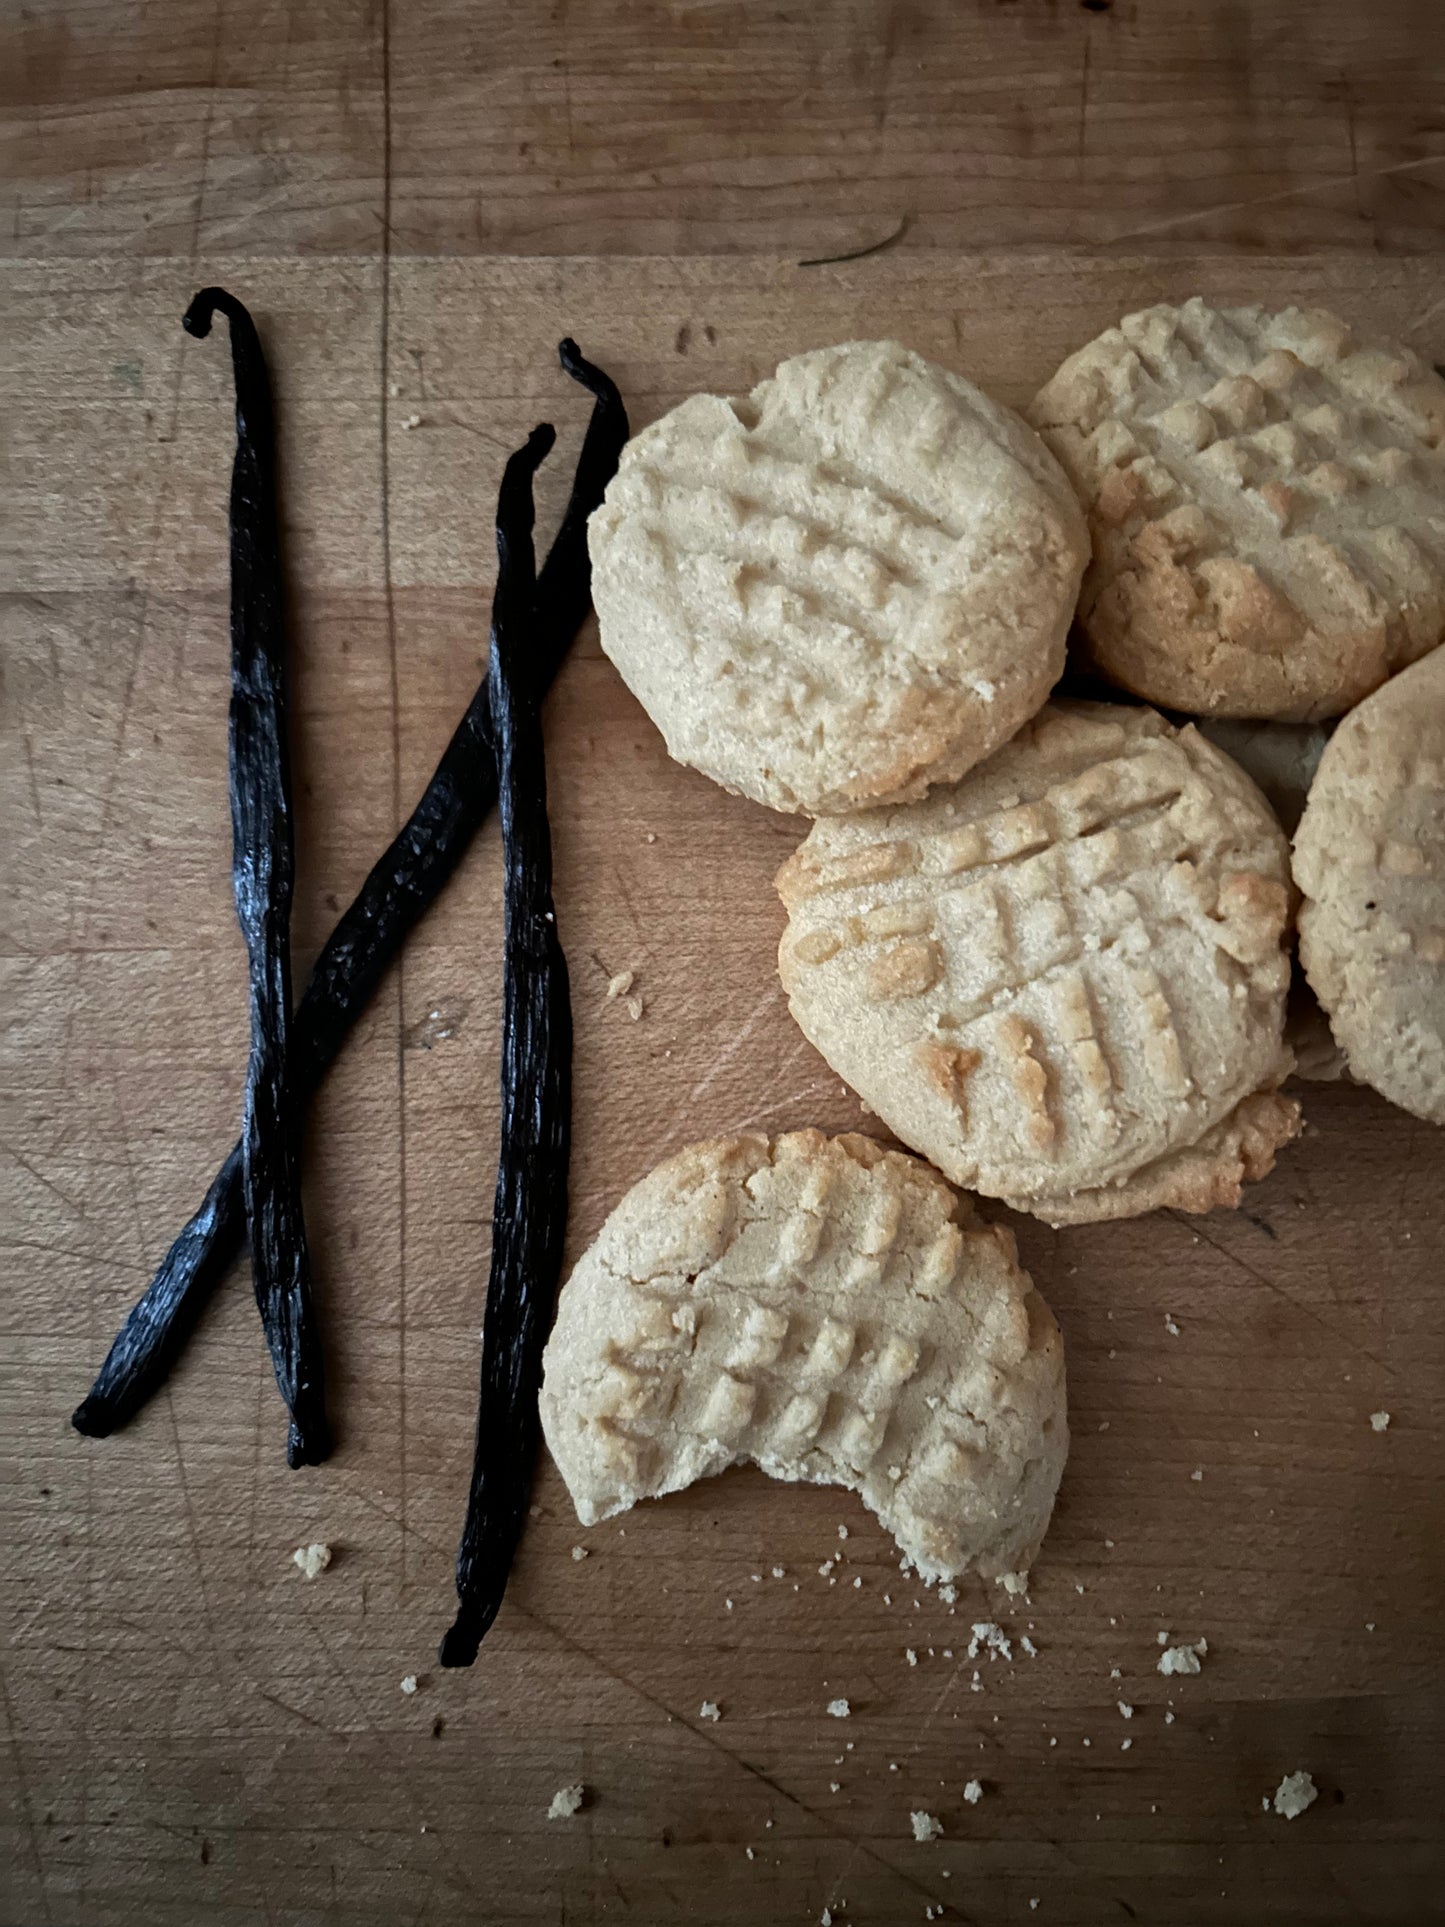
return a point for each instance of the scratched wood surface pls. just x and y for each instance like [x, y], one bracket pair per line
[193, 1731]
[659, 126]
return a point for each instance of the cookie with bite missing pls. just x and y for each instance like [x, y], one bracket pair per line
[831, 1311]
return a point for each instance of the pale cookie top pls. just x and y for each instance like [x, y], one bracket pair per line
[851, 583]
[1369, 856]
[1266, 498]
[1060, 971]
[832, 1311]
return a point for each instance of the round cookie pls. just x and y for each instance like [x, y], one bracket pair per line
[1369, 856]
[852, 583]
[1062, 979]
[831, 1311]
[1266, 498]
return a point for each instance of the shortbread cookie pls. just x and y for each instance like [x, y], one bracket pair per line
[832, 1311]
[1266, 497]
[1062, 979]
[1369, 856]
[852, 583]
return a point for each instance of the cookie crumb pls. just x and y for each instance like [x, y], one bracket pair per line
[973, 1792]
[579, 1552]
[925, 1826]
[990, 1638]
[1013, 1583]
[1171, 1326]
[618, 985]
[910, 1656]
[1295, 1792]
[312, 1559]
[1380, 1421]
[1126, 1711]
[566, 1801]
[408, 1683]
[709, 1710]
[1179, 1659]
[840, 1709]
[411, 421]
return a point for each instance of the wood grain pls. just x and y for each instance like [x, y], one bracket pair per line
[193, 1732]
[719, 126]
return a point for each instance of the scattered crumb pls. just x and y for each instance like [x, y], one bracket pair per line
[619, 985]
[393, 389]
[1380, 1420]
[948, 1594]
[1295, 1792]
[1014, 1583]
[826, 1567]
[842, 1532]
[1197, 1475]
[750, 1854]
[411, 421]
[825, 1918]
[840, 1709]
[973, 1792]
[1124, 1745]
[779, 1573]
[408, 1682]
[729, 1604]
[1181, 1659]
[312, 1559]
[1126, 1711]
[989, 1638]
[925, 1826]
[1170, 1326]
[1029, 1647]
[709, 1710]
[1033, 1904]
[579, 1552]
[1114, 1673]
[1369, 1625]
[1078, 1589]
[910, 1656]
[1163, 1638]
[835, 1786]
[566, 1801]
[858, 1585]
[634, 1006]
[1168, 1719]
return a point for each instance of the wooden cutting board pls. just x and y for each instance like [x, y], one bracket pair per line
[194, 1731]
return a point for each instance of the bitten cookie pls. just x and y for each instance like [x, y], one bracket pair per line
[850, 584]
[1063, 978]
[1369, 856]
[1266, 498]
[832, 1311]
